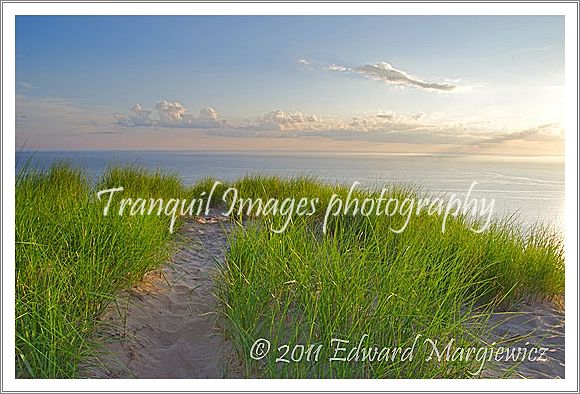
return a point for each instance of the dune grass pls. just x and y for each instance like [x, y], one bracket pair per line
[71, 259]
[298, 287]
[360, 281]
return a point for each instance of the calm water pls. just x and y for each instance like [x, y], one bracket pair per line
[533, 188]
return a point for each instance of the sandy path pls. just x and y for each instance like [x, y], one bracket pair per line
[166, 327]
[536, 324]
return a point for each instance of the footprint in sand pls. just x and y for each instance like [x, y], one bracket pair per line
[166, 327]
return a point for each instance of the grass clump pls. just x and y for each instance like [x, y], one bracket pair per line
[363, 283]
[358, 281]
[71, 259]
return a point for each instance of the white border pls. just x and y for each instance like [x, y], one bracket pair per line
[8, 158]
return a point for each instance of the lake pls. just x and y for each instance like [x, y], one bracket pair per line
[530, 187]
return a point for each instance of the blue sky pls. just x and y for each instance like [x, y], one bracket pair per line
[487, 82]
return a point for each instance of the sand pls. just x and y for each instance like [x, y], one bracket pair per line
[533, 324]
[167, 326]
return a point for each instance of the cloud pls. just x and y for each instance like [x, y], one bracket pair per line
[388, 74]
[384, 122]
[389, 127]
[170, 114]
[530, 49]
[137, 117]
[391, 122]
[49, 122]
[546, 132]
[24, 87]
[334, 67]
[282, 121]
[382, 126]
[40, 122]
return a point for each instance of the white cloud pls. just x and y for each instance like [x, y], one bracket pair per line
[208, 113]
[171, 114]
[334, 67]
[389, 126]
[137, 117]
[388, 74]
[384, 122]
[279, 120]
[382, 126]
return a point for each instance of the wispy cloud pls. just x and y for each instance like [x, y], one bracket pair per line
[53, 115]
[388, 126]
[23, 87]
[385, 72]
[546, 132]
[530, 49]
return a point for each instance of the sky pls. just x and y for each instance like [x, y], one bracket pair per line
[393, 84]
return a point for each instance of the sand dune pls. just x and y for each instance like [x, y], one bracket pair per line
[167, 326]
[535, 324]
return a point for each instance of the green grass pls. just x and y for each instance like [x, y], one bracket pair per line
[298, 287]
[304, 287]
[71, 259]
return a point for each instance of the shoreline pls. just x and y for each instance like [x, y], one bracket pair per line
[516, 187]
